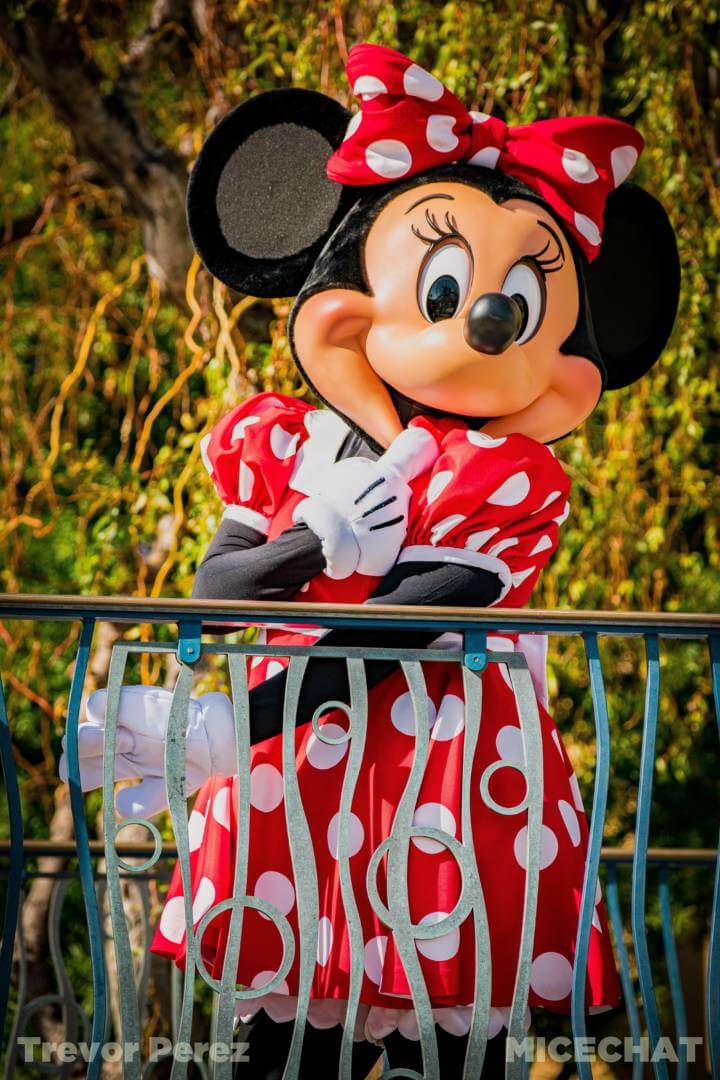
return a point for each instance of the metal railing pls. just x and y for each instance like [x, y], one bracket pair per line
[191, 617]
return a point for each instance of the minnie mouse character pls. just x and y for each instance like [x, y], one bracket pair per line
[465, 293]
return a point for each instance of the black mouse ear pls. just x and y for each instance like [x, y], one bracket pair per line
[633, 285]
[260, 205]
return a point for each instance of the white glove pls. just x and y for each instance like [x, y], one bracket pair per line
[140, 745]
[359, 509]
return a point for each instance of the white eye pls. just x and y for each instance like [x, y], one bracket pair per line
[526, 286]
[444, 282]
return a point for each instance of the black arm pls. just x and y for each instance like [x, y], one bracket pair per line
[241, 565]
[447, 584]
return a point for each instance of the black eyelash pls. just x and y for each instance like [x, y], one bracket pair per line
[450, 229]
[552, 264]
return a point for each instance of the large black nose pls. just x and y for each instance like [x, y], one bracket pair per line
[493, 323]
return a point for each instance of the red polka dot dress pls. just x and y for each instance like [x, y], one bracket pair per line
[490, 502]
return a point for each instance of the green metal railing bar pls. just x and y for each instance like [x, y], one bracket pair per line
[642, 834]
[592, 860]
[713, 978]
[671, 959]
[17, 861]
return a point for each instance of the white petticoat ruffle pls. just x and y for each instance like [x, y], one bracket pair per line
[373, 1022]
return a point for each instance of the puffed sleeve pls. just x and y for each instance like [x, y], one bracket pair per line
[495, 503]
[251, 454]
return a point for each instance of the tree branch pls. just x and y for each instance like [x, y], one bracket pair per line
[106, 126]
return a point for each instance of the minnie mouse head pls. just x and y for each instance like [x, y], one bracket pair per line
[443, 262]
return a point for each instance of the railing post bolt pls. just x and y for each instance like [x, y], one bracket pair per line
[475, 649]
[189, 644]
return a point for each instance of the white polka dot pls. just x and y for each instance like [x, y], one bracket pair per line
[441, 948]
[512, 492]
[264, 977]
[389, 158]
[487, 157]
[542, 545]
[479, 117]
[548, 847]
[509, 743]
[556, 740]
[355, 122]
[622, 162]
[221, 807]
[450, 718]
[598, 893]
[247, 482]
[266, 788]
[503, 545]
[577, 797]
[551, 976]
[587, 228]
[356, 835]
[550, 499]
[479, 438]
[204, 444]
[477, 539]
[402, 715]
[369, 86]
[375, 958]
[521, 575]
[439, 133]
[445, 526]
[563, 515]
[283, 443]
[322, 755]
[436, 816]
[420, 83]
[196, 829]
[579, 167]
[172, 920]
[277, 889]
[256, 661]
[238, 432]
[274, 668]
[500, 644]
[570, 820]
[325, 940]
[204, 899]
[438, 484]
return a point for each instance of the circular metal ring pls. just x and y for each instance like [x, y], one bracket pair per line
[275, 916]
[508, 811]
[463, 906]
[154, 832]
[327, 706]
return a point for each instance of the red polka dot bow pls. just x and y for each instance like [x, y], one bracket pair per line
[409, 123]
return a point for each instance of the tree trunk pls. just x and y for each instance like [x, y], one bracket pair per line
[106, 126]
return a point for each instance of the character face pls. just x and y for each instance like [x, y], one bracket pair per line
[433, 290]
[470, 305]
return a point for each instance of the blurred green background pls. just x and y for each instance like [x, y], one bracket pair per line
[117, 353]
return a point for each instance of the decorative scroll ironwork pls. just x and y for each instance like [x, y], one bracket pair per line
[394, 909]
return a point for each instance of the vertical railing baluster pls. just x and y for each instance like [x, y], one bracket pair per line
[177, 799]
[671, 959]
[529, 717]
[477, 1038]
[642, 836]
[612, 897]
[302, 856]
[357, 733]
[397, 862]
[712, 990]
[17, 861]
[224, 1014]
[129, 1011]
[592, 862]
